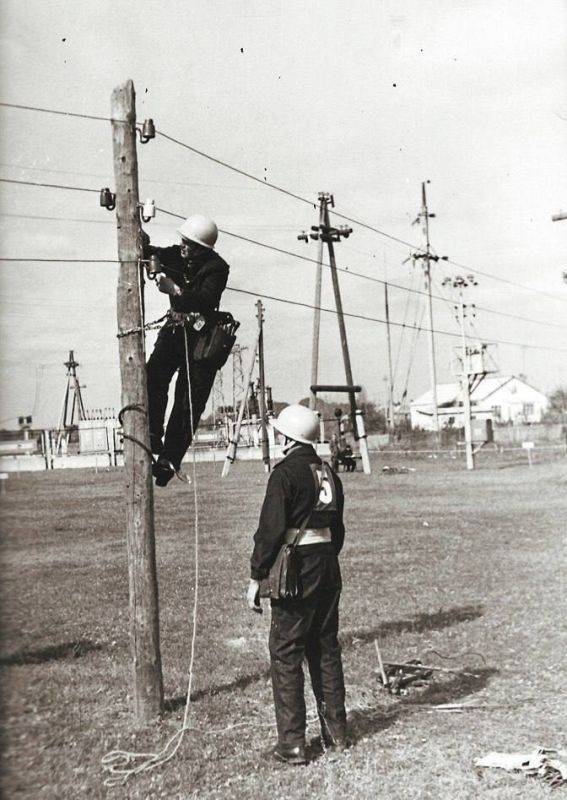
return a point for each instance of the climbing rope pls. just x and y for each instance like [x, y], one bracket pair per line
[124, 764]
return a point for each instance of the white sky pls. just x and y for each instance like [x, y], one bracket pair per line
[365, 99]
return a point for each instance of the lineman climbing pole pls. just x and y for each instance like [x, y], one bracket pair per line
[147, 691]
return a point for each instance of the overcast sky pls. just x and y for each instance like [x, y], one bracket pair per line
[365, 99]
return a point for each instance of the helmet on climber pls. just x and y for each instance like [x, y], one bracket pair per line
[200, 230]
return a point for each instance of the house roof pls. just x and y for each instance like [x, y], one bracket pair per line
[450, 393]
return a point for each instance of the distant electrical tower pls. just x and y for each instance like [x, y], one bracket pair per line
[72, 410]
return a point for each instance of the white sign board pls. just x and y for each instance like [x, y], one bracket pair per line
[528, 445]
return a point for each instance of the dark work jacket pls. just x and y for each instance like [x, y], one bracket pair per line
[291, 495]
[202, 281]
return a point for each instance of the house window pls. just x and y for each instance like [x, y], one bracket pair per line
[528, 409]
[497, 413]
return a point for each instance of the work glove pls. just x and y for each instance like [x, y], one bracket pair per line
[167, 286]
[253, 596]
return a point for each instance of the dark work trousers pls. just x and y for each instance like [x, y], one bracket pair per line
[308, 629]
[167, 357]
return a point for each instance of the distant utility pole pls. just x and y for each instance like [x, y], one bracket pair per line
[326, 234]
[391, 420]
[317, 304]
[427, 258]
[147, 691]
[264, 441]
[460, 283]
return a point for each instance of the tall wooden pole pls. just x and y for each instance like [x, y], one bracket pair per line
[317, 309]
[264, 442]
[390, 372]
[147, 693]
[427, 270]
[341, 319]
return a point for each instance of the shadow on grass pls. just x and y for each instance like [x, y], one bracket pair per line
[418, 624]
[370, 721]
[175, 703]
[54, 652]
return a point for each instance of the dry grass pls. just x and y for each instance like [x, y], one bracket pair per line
[437, 560]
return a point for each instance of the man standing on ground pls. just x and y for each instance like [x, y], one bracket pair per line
[194, 277]
[302, 491]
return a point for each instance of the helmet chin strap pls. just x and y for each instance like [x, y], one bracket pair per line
[288, 444]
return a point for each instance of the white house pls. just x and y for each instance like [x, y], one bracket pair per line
[500, 398]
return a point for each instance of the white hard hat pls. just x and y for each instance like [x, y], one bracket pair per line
[199, 229]
[298, 423]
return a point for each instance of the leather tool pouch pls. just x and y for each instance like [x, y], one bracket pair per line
[214, 343]
[282, 582]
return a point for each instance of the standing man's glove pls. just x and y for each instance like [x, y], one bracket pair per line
[253, 596]
[167, 286]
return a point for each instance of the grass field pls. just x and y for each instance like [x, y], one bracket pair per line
[459, 569]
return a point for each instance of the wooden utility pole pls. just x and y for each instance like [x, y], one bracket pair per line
[327, 235]
[147, 692]
[317, 309]
[391, 420]
[264, 441]
[469, 452]
[427, 272]
[459, 282]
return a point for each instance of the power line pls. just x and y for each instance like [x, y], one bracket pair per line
[354, 220]
[56, 219]
[383, 322]
[286, 192]
[242, 238]
[300, 304]
[64, 260]
[61, 113]
[49, 185]
[106, 176]
[236, 169]
[355, 274]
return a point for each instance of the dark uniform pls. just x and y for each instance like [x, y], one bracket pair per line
[307, 627]
[202, 280]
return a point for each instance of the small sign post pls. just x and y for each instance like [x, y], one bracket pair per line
[529, 446]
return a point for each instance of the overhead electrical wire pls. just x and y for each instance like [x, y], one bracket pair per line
[60, 113]
[301, 304]
[50, 185]
[286, 192]
[249, 240]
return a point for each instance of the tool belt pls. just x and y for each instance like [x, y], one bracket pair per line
[308, 536]
[214, 335]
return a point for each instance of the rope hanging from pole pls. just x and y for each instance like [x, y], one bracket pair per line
[121, 764]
